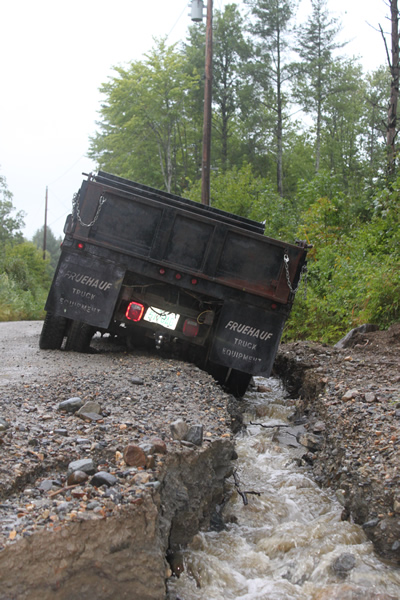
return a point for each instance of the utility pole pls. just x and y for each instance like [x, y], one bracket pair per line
[206, 157]
[206, 163]
[45, 226]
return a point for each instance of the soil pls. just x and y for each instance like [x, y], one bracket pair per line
[350, 395]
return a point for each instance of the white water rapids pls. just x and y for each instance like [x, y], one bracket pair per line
[288, 543]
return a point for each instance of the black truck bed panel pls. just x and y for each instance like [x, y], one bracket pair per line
[211, 245]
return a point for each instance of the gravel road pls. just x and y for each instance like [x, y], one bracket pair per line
[138, 395]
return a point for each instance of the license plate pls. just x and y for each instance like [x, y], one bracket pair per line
[166, 319]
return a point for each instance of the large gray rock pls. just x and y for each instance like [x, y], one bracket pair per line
[347, 340]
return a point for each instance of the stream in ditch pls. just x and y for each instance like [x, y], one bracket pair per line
[288, 542]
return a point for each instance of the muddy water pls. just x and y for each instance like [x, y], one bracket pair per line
[289, 542]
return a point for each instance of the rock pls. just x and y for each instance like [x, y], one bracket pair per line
[343, 564]
[350, 394]
[46, 485]
[160, 447]
[141, 478]
[147, 447]
[370, 397]
[309, 440]
[319, 427]
[77, 477]
[103, 478]
[84, 464]
[89, 416]
[90, 407]
[71, 405]
[347, 340]
[3, 424]
[137, 381]
[63, 432]
[150, 461]
[134, 456]
[195, 435]
[179, 429]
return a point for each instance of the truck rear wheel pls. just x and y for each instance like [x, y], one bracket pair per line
[79, 336]
[235, 382]
[53, 332]
[238, 382]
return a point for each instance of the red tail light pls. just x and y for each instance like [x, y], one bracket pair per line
[81, 245]
[190, 328]
[135, 311]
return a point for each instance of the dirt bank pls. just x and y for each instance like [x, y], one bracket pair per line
[351, 398]
[109, 462]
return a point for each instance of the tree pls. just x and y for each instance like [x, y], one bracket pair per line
[377, 92]
[394, 66]
[10, 226]
[313, 85]
[270, 27]
[145, 132]
[342, 123]
[231, 51]
[52, 244]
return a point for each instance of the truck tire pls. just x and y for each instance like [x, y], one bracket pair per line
[233, 381]
[238, 382]
[53, 332]
[79, 336]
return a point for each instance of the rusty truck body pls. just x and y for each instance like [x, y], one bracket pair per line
[165, 271]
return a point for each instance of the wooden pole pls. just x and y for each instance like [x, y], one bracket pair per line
[206, 162]
[45, 226]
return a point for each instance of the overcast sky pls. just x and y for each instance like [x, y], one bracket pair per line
[54, 57]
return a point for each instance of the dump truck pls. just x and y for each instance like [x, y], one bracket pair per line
[169, 273]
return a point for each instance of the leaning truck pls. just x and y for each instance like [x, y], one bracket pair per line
[164, 271]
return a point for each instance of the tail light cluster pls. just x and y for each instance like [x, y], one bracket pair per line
[135, 312]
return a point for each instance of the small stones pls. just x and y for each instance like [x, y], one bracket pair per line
[319, 427]
[343, 564]
[179, 429]
[195, 435]
[90, 407]
[160, 447]
[71, 405]
[3, 424]
[309, 440]
[134, 456]
[350, 394]
[137, 381]
[103, 478]
[77, 477]
[84, 464]
[370, 397]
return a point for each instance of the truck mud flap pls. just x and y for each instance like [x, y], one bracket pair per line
[85, 290]
[247, 338]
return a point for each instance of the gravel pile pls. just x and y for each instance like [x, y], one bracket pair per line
[83, 435]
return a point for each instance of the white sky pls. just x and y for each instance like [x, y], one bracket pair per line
[53, 59]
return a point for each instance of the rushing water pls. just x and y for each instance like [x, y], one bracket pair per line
[289, 542]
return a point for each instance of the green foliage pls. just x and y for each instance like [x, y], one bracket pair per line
[146, 134]
[24, 282]
[53, 245]
[10, 226]
[354, 272]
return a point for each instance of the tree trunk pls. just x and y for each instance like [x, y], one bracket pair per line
[394, 89]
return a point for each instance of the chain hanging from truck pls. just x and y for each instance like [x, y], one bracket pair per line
[75, 208]
[303, 273]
